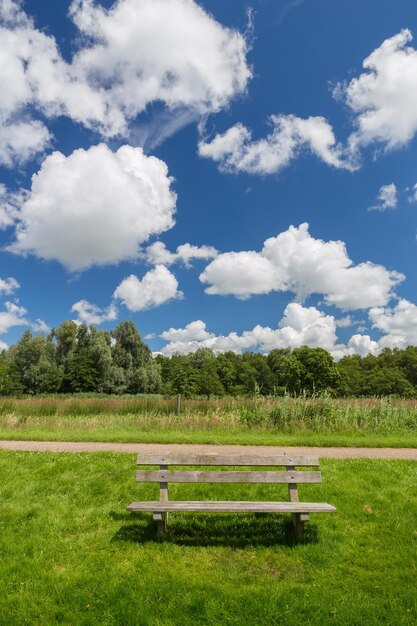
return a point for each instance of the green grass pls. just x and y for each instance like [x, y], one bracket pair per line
[256, 436]
[70, 554]
[269, 421]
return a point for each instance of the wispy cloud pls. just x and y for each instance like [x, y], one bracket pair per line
[287, 8]
[161, 125]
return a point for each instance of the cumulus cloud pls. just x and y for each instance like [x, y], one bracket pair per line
[387, 198]
[303, 326]
[8, 285]
[399, 324]
[159, 50]
[21, 140]
[236, 151]
[295, 261]
[384, 97]
[345, 322]
[94, 207]
[40, 326]
[14, 315]
[194, 331]
[92, 314]
[242, 274]
[131, 55]
[298, 326]
[10, 203]
[158, 253]
[156, 287]
[21, 136]
[383, 103]
[363, 345]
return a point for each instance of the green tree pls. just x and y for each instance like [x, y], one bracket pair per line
[65, 337]
[10, 383]
[33, 361]
[80, 374]
[319, 372]
[183, 377]
[129, 350]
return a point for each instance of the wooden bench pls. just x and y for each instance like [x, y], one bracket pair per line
[300, 510]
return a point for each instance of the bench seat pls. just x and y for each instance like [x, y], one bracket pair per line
[232, 506]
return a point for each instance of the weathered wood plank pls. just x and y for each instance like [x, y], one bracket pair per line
[163, 497]
[225, 459]
[227, 476]
[233, 507]
[298, 519]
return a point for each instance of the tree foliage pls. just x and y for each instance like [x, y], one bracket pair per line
[77, 358]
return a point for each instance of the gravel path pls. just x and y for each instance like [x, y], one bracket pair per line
[93, 446]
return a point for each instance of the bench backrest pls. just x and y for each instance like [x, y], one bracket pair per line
[290, 475]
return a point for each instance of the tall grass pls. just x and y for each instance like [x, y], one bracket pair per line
[285, 414]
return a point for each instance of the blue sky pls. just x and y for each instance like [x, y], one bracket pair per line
[212, 127]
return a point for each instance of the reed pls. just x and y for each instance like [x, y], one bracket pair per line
[286, 414]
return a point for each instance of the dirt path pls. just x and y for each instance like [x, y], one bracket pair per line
[330, 453]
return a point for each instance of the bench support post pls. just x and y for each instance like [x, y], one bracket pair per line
[162, 518]
[298, 519]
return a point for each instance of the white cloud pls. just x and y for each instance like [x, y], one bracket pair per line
[22, 47]
[399, 324]
[363, 345]
[8, 285]
[157, 253]
[136, 53]
[384, 97]
[387, 198]
[345, 322]
[383, 100]
[295, 261]
[194, 331]
[14, 315]
[303, 326]
[20, 137]
[94, 207]
[10, 203]
[92, 314]
[236, 151]
[20, 141]
[159, 50]
[156, 287]
[40, 326]
[299, 326]
[242, 274]
[413, 196]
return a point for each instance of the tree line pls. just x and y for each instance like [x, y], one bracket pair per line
[76, 358]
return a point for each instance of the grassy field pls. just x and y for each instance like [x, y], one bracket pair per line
[70, 554]
[278, 421]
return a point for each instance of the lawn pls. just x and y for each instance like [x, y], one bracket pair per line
[69, 553]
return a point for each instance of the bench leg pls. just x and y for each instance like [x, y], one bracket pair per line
[161, 520]
[298, 521]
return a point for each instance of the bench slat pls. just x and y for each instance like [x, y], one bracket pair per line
[226, 476]
[233, 507]
[225, 459]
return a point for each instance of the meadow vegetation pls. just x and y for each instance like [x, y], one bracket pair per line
[71, 554]
[281, 421]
